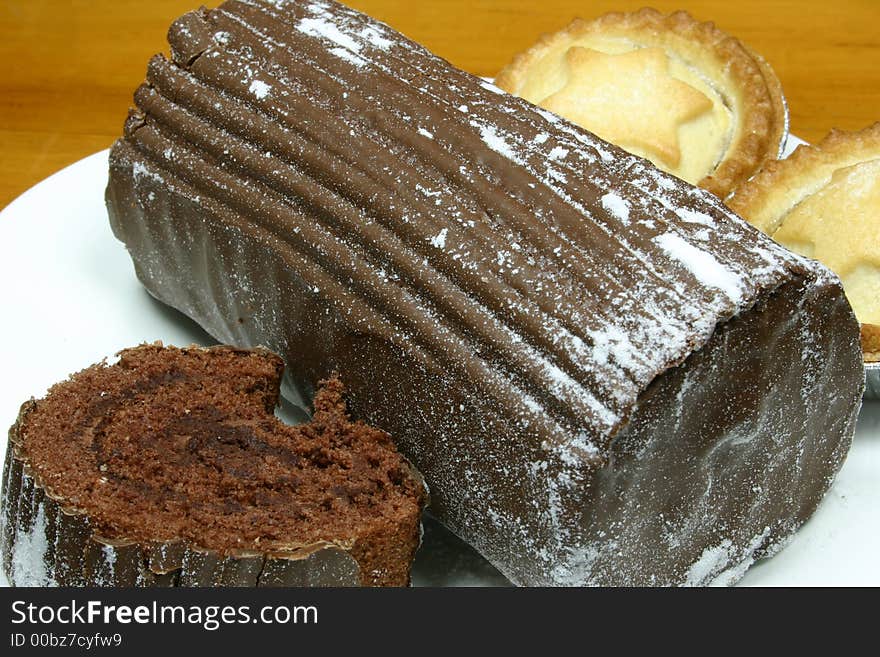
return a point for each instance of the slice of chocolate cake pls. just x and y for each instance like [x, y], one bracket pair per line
[169, 468]
[605, 376]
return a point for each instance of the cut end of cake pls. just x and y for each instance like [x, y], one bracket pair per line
[176, 446]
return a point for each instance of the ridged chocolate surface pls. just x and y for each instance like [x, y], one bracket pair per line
[501, 291]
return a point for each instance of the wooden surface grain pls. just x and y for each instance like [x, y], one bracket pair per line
[70, 66]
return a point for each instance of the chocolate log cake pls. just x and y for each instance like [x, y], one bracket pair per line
[168, 468]
[605, 376]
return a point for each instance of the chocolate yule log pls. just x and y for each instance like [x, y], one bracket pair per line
[605, 376]
[168, 468]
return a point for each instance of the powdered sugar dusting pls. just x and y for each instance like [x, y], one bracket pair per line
[709, 564]
[439, 240]
[695, 217]
[702, 265]
[259, 89]
[615, 204]
[375, 36]
[724, 564]
[493, 139]
[343, 33]
[327, 29]
[29, 553]
[612, 344]
[488, 86]
[139, 171]
[349, 56]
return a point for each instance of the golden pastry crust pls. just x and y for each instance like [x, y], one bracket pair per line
[871, 343]
[746, 83]
[781, 187]
[784, 183]
[779, 133]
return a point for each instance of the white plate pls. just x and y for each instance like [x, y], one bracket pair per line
[70, 298]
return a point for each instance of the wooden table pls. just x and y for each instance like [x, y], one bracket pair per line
[70, 66]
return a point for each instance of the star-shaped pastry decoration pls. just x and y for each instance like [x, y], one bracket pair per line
[837, 225]
[628, 99]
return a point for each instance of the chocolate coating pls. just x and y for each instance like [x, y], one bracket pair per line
[604, 375]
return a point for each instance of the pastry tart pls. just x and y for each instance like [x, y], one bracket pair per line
[683, 94]
[824, 202]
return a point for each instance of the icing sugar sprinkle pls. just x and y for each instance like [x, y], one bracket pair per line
[704, 267]
[259, 89]
[28, 554]
[375, 37]
[713, 566]
[694, 217]
[320, 27]
[616, 206]
[439, 240]
[138, 170]
[488, 86]
[496, 142]
[349, 56]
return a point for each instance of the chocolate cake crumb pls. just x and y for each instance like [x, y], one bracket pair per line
[172, 447]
